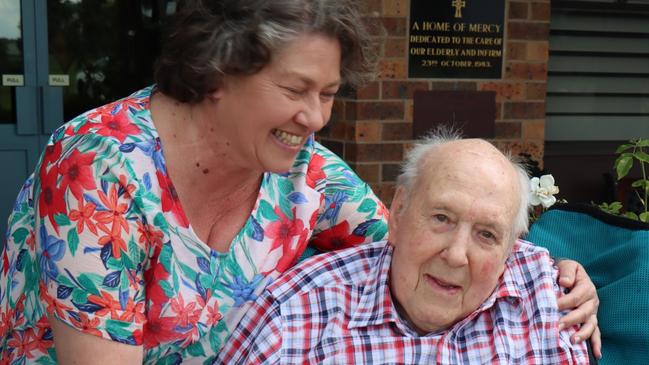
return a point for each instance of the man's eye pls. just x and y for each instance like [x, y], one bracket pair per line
[440, 218]
[488, 235]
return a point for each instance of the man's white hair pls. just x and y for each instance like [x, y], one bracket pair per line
[414, 160]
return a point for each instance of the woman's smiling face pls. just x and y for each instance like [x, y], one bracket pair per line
[265, 118]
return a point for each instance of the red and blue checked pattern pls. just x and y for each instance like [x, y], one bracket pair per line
[336, 308]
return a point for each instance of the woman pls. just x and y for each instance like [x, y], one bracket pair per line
[154, 220]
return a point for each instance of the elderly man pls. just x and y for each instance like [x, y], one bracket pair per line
[452, 286]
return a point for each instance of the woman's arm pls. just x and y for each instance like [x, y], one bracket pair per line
[75, 347]
[582, 301]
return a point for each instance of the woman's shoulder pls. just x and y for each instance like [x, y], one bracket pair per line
[127, 120]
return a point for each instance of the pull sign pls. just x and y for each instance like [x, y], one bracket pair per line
[13, 80]
[59, 80]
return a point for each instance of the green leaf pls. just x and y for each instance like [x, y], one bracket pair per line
[118, 329]
[20, 234]
[631, 215]
[73, 240]
[88, 281]
[61, 219]
[624, 147]
[642, 143]
[367, 206]
[160, 222]
[644, 217]
[642, 156]
[623, 165]
[267, 211]
[79, 296]
[196, 349]
[110, 178]
[644, 184]
[166, 287]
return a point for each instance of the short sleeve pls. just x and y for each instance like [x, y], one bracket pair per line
[350, 212]
[91, 240]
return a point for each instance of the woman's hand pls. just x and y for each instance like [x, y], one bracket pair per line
[582, 301]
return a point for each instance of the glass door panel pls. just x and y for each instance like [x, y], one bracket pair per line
[101, 50]
[11, 59]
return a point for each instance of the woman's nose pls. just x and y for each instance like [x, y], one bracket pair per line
[314, 115]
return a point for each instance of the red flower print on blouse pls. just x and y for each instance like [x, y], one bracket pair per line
[50, 201]
[283, 230]
[83, 217]
[159, 329]
[115, 217]
[86, 325]
[314, 172]
[108, 304]
[52, 154]
[337, 237]
[170, 200]
[118, 126]
[76, 173]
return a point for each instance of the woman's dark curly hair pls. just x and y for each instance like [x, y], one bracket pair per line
[212, 38]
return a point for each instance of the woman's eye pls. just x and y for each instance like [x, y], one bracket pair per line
[328, 95]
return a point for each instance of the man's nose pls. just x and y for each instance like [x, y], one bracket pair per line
[455, 252]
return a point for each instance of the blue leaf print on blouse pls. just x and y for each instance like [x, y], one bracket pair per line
[53, 250]
[297, 198]
[332, 205]
[243, 291]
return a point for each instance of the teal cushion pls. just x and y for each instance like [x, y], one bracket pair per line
[615, 253]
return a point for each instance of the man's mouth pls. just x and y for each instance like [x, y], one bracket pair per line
[441, 284]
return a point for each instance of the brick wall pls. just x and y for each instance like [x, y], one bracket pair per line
[372, 127]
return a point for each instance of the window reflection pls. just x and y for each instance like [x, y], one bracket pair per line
[106, 47]
[11, 55]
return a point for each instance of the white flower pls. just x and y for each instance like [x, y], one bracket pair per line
[542, 191]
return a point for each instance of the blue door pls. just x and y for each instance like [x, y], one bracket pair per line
[59, 58]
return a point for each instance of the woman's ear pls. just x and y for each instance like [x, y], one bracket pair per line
[216, 94]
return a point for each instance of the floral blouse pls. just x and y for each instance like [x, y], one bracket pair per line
[99, 240]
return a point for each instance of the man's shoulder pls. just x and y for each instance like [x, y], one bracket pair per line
[350, 266]
[530, 274]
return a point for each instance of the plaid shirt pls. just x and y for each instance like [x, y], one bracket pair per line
[336, 308]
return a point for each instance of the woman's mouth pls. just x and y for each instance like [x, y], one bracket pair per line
[286, 138]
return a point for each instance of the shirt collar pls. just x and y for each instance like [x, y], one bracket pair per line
[376, 306]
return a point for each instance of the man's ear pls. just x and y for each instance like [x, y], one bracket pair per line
[216, 94]
[396, 210]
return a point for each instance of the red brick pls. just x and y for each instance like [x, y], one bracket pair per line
[499, 111]
[528, 31]
[516, 51]
[536, 90]
[379, 110]
[537, 51]
[541, 11]
[396, 131]
[395, 7]
[371, 6]
[533, 148]
[524, 110]
[392, 68]
[374, 152]
[526, 71]
[367, 131]
[390, 172]
[402, 89]
[518, 10]
[395, 47]
[508, 130]
[395, 26]
[368, 91]
[367, 172]
[534, 130]
[505, 90]
[385, 192]
[454, 85]
[338, 130]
